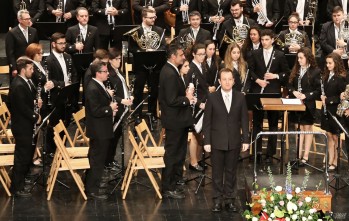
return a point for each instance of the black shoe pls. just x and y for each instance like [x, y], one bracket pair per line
[268, 160]
[196, 168]
[173, 194]
[231, 207]
[23, 194]
[259, 158]
[203, 164]
[113, 166]
[153, 119]
[97, 196]
[138, 120]
[217, 207]
[180, 190]
[182, 181]
[302, 162]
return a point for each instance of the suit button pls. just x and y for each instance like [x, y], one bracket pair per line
[33, 116]
[183, 102]
[106, 111]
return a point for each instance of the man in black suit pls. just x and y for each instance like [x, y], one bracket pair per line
[176, 118]
[35, 8]
[67, 13]
[196, 34]
[159, 6]
[270, 11]
[61, 72]
[23, 117]
[269, 71]
[211, 8]
[225, 117]
[301, 7]
[333, 3]
[17, 40]
[107, 14]
[100, 111]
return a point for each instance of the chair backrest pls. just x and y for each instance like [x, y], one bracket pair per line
[128, 69]
[139, 153]
[5, 117]
[80, 132]
[144, 134]
[60, 128]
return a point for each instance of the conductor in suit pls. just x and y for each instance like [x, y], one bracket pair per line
[23, 118]
[176, 118]
[225, 117]
[18, 39]
[100, 111]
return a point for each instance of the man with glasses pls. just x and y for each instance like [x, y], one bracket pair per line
[158, 6]
[35, 8]
[18, 39]
[100, 111]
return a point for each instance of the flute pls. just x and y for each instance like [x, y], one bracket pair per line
[323, 94]
[268, 69]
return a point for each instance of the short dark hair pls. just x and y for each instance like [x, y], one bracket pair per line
[225, 70]
[267, 32]
[145, 12]
[57, 35]
[96, 66]
[194, 13]
[236, 2]
[113, 53]
[337, 9]
[172, 50]
[81, 9]
[198, 46]
[101, 54]
[22, 63]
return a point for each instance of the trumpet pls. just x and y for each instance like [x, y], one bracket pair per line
[22, 5]
[268, 69]
[217, 24]
[59, 7]
[79, 39]
[262, 18]
[343, 35]
[312, 11]
[185, 14]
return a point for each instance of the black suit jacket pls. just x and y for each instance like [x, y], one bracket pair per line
[212, 71]
[91, 43]
[247, 50]
[291, 6]
[200, 82]
[21, 105]
[101, 19]
[99, 115]
[273, 10]
[194, 5]
[71, 6]
[133, 47]
[201, 37]
[327, 38]
[282, 36]
[258, 68]
[160, 7]
[16, 44]
[35, 8]
[210, 8]
[222, 130]
[331, 4]
[175, 107]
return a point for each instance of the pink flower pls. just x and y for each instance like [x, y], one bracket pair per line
[300, 203]
[282, 203]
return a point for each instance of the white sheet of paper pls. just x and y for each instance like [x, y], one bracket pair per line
[291, 101]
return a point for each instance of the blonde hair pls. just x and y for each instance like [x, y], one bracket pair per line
[228, 60]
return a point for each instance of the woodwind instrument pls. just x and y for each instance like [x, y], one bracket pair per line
[59, 7]
[37, 109]
[246, 77]
[69, 71]
[49, 104]
[323, 94]
[79, 38]
[268, 69]
[22, 5]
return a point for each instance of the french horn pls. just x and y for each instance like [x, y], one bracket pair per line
[148, 40]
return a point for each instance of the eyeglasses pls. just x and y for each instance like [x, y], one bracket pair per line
[201, 54]
[103, 71]
[293, 22]
[61, 43]
[154, 17]
[25, 19]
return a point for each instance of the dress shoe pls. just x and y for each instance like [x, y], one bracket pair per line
[173, 194]
[138, 120]
[97, 196]
[217, 207]
[180, 190]
[182, 181]
[203, 164]
[23, 193]
[268, 160]
[231, 207]
[196, 168]
[302, 162]
[259, 158]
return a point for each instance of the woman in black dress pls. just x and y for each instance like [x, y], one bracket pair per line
[211, 65]
[304, 84]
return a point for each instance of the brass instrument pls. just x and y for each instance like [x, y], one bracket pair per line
[79, 39]
[268, 69]
[185, 14]
[217, 24]
[343, 34]
[344, 105]
[60, 8]
[187, 41]
[312, 11]
[295, 37]
[239, 34]
[262, 18]
[22, 5]
[149, 40]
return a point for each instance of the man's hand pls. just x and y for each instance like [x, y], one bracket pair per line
[202, 106]
[67, 16]
[207, 148]
[245, 147]
[114, 11]
[339, 51]
[79, 46]
[14, 73]
[127, 102]
[346, 112]
[323, 99]
[342, 96]
[114, 107]
[49, 85]
[294, 47]
[221, 19]
[57, 13]
[39, 102]
[214, 19]
[262, 83]
[111, 92]
[269, 24]
[257, 8]
[184, 8]
[212, 89]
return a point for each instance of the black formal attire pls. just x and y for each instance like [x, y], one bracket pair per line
[91, 41]
[160, 6]
[310, 87]
[258, 68]
[16, 44]
[333, 88]
[99, 128]
[23, 118]
[198, 78]
[143, 75]
[176, 118]
[272, 8]
[211, 7]
[222, 130]
[285, 48]
[248, 49]
[291, 6]
[200, 37]
[34, 7]
[212, 70]
[68, 6]
[333, 3]
[194, 5]
[39, 80]
[238, 82]
[106, 23]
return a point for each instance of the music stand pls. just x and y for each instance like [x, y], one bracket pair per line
[118, 35]
[46, 29]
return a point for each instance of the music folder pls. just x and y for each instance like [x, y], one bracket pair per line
[253, 100]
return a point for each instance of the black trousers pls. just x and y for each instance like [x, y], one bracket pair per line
[97, 155]
[153, 88]
[224, 169]
[174, 158]
[273, 117]
[113, 145]
[24, 152]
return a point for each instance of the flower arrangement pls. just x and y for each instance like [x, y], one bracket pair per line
[285, 203]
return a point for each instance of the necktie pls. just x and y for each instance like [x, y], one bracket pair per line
[25, 33]
[31, 85]
[227, 102]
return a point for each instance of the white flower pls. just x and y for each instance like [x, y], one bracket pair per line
[272, 198]
[276, 208]
[311, 211]
[307, 199]
[254, 219]
[298, 190]
[248, 216]
[294, 216]
[300, 203]
[310, 218]
[288, 219]
[270, 219]
[272, 215]
[301, 212]
[304, 219]
[319, 220]
[278, 188]
[289, 196]
[295, 207]
[289, 206]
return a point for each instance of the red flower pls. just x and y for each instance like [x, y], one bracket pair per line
[264, 217]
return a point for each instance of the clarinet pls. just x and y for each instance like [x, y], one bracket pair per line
[323, 94]
[69, 71]
[196, 90]
[36, 108]
[246, 77]
[268, 69]
[48, 91]
[300, 81]
[79, 39]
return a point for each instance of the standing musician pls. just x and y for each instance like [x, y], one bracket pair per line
[212, 64]
[108, 14]
[100, 111]
[23, 119]
[151, 33]
[61, 72]
[64, 10]
[34, 7]
[293, 39]
[216, 11]
[302, 7]
[18, 39]
[252, 42]
[176, 118]
[158, 6]
[265, 12]
[304, 84]
[334, 82]
[225, 118]
[269, 71]
[234, 60]
[331, 4]
[182, 10]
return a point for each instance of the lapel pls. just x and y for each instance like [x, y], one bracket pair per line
[101, 89]
[21, 35]
[221, 100]
[332, 34]
[26, 85]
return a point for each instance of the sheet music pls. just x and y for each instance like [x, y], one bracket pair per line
[293, 101]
